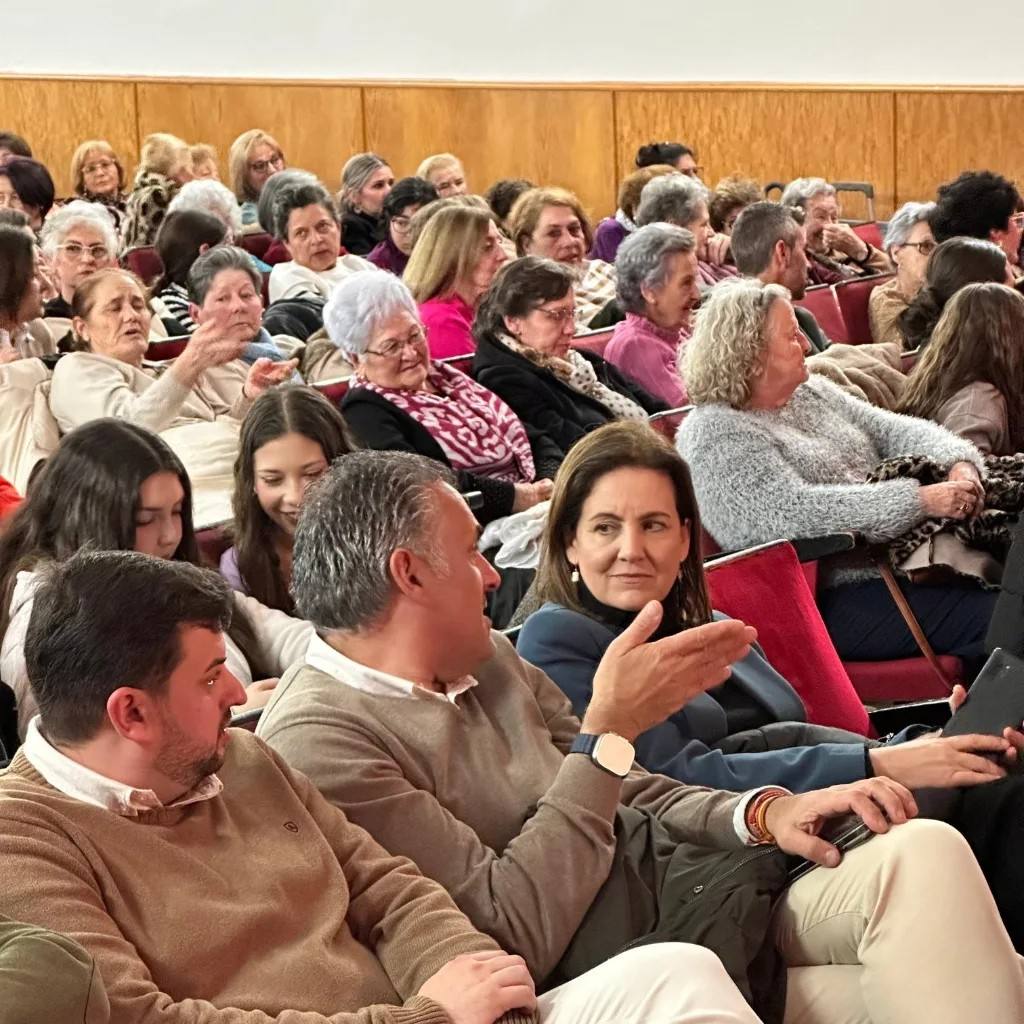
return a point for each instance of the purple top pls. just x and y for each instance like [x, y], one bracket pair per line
[388, 256]
[229, 570]
[647, 354]
[610, 234]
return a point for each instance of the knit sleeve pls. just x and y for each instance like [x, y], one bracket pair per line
[506, 893]
[85, 388]
[896, 434]
[282, 638]
[48, 882]
[749, 494]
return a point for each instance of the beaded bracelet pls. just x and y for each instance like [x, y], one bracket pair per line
[757, 815]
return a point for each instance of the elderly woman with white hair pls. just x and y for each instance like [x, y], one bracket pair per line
[306, 221]
[909, 242]
[836, 252]
[658, 288]
[776, 452]
[165, 164]
[366, 181]
[402, 400]
[683, 201]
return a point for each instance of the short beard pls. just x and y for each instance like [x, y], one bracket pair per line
[181, 759]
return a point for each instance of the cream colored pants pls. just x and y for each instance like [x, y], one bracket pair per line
[664, 983]
[903, 932]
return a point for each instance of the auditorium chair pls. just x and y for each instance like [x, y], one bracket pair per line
[870, 232]
[667, 423]
[864, 188]
[821, 301]
[167, 348]
[463, 362]
[256, 244]
[335, 389]
[593, 341]
[144, 262]
[852, 297]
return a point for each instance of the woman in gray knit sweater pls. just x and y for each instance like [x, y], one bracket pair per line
[776, 453]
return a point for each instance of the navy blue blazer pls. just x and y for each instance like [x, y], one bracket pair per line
[568, 646]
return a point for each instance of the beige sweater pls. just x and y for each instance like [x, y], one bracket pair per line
[260, 905]
[885, 304]
[481, 795]
[978, 413]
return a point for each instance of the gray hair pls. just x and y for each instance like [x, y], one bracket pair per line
[265, 203]
[61, 222]
[294, 196]
[728, 341]
[801, 190]
[359, 303]
[672, 198]
[642, 262]
[903, 221]
[755, 233]
[213, 197]
[367, 506]
[357, 172]
[221, 257]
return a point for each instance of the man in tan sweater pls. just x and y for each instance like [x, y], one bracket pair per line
[209, 883]
[429, 731]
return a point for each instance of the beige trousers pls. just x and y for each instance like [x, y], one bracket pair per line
[903, 932]
[664, 983]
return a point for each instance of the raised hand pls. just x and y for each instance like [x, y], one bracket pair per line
[265, 374]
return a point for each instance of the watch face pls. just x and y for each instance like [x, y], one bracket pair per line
[614, 754]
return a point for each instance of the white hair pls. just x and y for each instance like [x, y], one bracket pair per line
[671, 199]
[903, 221]
[360, 303]
[642, 262]
[60, 223]
[213, 197]
[800, 191]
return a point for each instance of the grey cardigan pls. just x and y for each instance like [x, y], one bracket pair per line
[799, 471]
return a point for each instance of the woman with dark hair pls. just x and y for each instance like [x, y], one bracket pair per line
[970, 378]
[675, 154]
[524, 330]
[955, 263]
[408, 196]
[183, 237]
[22, 333]
[114, 486]
[26, 185]
[289, 440]
[502, 196]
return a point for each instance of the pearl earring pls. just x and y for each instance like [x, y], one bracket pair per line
[575, 575]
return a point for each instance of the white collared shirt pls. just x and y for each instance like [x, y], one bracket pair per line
[81, 783]
[321, 655]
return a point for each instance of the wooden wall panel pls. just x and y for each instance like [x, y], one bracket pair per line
[318, 126]
[943, 133]
[56, 114]
[770, 135]
[550, 136]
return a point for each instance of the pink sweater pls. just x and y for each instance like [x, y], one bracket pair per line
[449, 325]
[647, 355]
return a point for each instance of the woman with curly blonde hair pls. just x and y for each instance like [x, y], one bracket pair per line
[971, 376]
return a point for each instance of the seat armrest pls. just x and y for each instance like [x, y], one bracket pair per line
[933, 713]
[810, 549]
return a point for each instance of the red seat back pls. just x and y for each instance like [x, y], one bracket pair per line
[870, 233]
[335, 389]
[167, 348]
[821, 301]
[256, 244]
[213, 542]
[766, 588]
[905, 679]
[463, 362]
[853, 297]
[145, 263]
[595, 341]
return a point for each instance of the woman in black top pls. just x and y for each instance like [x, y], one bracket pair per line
[366, 180]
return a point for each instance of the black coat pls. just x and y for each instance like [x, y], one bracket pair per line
[381, 425]
[545, 404]
[360, 232]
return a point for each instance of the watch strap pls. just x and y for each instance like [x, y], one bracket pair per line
[585, 743]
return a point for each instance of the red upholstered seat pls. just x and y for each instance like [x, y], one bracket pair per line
[766, 588]
[334, 389]
[257, 244]
[595, 341]
[853, 297]
[213, 542]
[166, 348]
[463, 363]
[821, 301]
[144, 262]
[909, 678]
[667, 423]
[870, 232]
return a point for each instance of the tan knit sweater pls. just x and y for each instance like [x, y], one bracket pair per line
[260, 905]
[481, 795]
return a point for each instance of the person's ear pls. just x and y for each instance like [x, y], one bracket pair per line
[514, 325]
[204, 248]
[81, 331]
[781, 253]
[133, 714]
[195, 313]
[649, 294]
[685, 538]
[572, 551]
[406, 572]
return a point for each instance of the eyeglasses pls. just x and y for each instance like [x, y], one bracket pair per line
[97, 166]
[262, 166]
[11, 200]
[924, 248]
[395, 346]
[1017, 220]
[694, 172]
[75, 251]
[401, 223]
[558, 316]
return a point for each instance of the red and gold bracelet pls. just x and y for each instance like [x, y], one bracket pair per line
[757, 814]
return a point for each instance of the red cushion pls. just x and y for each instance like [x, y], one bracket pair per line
[145, 263]
[257, 244]
[906, 679]
[213, 542]
[853, 297]
[767, 589]
[596, 342]
[870, 232]
[335, 389]
[821, 301]
[166, 348]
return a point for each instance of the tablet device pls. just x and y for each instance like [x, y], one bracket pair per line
[995, 701]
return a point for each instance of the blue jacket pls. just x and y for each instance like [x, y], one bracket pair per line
[568, 646]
